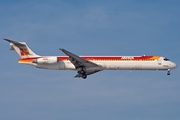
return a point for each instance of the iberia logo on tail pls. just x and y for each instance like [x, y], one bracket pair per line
[24, 52]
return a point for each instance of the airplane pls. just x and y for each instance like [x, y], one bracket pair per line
[87, 65]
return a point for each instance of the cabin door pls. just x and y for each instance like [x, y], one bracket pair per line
[160, 61]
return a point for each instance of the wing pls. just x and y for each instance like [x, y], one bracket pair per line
[83, 66]
[78, 61]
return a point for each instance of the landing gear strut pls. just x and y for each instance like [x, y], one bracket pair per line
[81, 72]
[168, 73]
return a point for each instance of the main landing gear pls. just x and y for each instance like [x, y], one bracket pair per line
[82, 72]
[84, 76]
[168, 73]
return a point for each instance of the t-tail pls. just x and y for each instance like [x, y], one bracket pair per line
[22, 49]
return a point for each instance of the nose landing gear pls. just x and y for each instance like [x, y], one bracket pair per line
[168, 73]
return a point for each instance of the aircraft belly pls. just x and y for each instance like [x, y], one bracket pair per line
[110, 65]
[131, 65]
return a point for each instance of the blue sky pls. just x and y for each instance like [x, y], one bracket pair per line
[134, 27]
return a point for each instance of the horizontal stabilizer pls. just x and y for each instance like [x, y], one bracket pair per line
[14, 42]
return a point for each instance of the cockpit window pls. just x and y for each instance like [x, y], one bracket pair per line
[166, 59]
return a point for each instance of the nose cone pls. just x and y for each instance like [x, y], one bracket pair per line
[174, 65]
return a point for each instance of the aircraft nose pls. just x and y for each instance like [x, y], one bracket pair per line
[174, 65]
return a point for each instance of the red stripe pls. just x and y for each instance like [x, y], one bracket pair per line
[100, 57]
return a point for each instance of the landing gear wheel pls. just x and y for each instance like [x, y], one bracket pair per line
[81, 70]
[168, 73]
[84, 76]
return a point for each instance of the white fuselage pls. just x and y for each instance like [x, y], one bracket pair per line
[159, 64]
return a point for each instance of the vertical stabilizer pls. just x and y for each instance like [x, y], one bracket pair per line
[22, 49]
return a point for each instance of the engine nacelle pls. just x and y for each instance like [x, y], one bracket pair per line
[46, 60]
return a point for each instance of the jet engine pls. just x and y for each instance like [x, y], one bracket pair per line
[46, 60]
